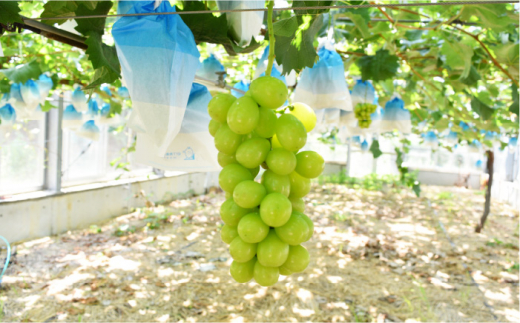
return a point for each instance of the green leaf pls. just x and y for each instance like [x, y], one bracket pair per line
[442, 124]
[47, 106]
[5, 86]
[480, 108]
[374, 148]
[97, 25]
[472, 77]
[514, 107]
[492, 16]
[58, 9]
[285, 27]
[115, 108]
[297, 51]
[9, 12]
[233, 49]
[458, 57]
[413, 34]
[22, 73]
[205, 26]
[101, 75]
[312, 3]
[103, 56]
[416, 188]
[360, 23]
[378, 67]
[507, 54]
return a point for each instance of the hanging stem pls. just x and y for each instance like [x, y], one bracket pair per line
[270, 60]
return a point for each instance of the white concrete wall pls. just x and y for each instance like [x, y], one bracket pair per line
[506, 191]
[81, 206]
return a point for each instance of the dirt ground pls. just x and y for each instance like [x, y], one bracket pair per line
[375, 256]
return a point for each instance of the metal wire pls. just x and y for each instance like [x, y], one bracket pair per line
[390, 5]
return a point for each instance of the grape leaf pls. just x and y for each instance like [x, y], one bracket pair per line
[374, 148]
[102, 57]
[360, 23]
[205, 26]
[492, 16]
[9, 12]
[101, 75]
[513, 108]
[480, 108]
[472, 77]
[458, 57]
[297, 51]
[58, 9]
[233, 49]
[22, 73]
[313, 3]
[4, 85]
[378, 67]
[85, 26]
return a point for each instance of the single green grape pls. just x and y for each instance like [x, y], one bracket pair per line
[231, 213]
[297, 260]
[228, 233]
[290, 132]
[226, 141]
[242, 272]
[243, 115]
[281, 161]
[251, 153]
[265, 276]
[249, 194]
[305, 114]
[266, 123]
[252, 229]
[272, 251]
[224, 159]
[300, 186]
[275, 183]
[309, 164]
[242, 251]
[269, 92]
[294, 231]
[219, 105]
[213, 127]
[275, 209]
[284, 271]
[297, 203]
[310, 224]
[231, 175]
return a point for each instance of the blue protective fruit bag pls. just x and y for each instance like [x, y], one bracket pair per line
[324, 85]
[158, 57]
[396, 117]
[192, 150]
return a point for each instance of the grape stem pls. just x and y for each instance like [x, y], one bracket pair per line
[270, 59]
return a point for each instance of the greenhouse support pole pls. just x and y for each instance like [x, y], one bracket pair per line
[53, 145]
[487, 204]
[349, 152]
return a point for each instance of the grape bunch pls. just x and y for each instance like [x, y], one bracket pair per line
[362, 111]
[264, 220]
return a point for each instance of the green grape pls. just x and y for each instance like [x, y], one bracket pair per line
[297, 260]
[275, 143]
[305, 114]
[242, 251]
[269, 92]
[284, 271]
[219, 105]
[309, 164]
[297, 203]
[231, 213]
[310, 224]
[243, 115]
[275, 183]
[266, 123]
[213, 127]
[300, 186]
[293, 231]
[252, 229]
[228, 233]
[229, 195]
[231, 175]
[290, 132]
[272, 252]
[226, 141]
[251, 153]
[265, 276]
[242, 272]
[254, 171]
[275, 209]
[249, 194]
[224, 159]
[281, 161]
[362, 111]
